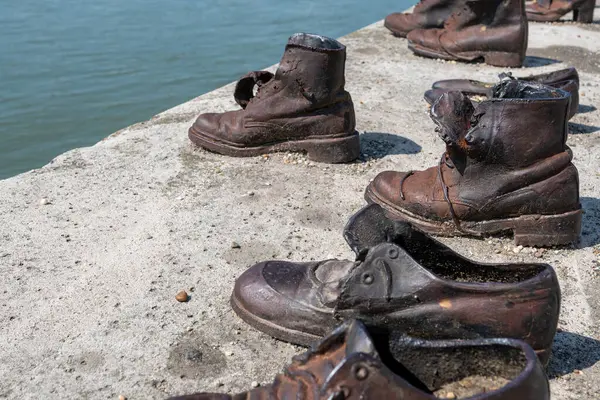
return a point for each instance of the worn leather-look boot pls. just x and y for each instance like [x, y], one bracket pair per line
[506, 169]
[427, 14]
[565, 79]
[405, 282]
[492, 30]
[303, 107]
[355, 363]
[553, 10]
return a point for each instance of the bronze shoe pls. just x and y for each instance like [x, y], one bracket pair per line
[405, 282]
[302, 107]
[427, 14]
[506, 169]
[553, 10]
[565, 79]
[353, 362]
[494, 31]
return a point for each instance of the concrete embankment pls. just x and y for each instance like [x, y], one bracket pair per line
[89, 275]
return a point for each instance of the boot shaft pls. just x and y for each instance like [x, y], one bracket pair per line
[523, 123]
[314, 66]
[490, 13]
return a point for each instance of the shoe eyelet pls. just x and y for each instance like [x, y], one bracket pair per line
[360, 372]
[367, 278]
[393, 253]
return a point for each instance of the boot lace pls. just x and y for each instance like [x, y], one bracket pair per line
[448, 162]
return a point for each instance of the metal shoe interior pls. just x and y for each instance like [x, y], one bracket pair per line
[370, 227]
[511, 88]
[312, 41]
[463, 369]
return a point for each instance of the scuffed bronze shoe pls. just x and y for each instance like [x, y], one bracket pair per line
[494, 31]
[427, 14]
[565, 79]
[303, 107]
[354, 363]
[404, 282]
[553, 10]
[506, 169]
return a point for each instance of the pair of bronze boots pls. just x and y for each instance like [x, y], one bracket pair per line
[506, 167]
[431, 320]
[494, 31]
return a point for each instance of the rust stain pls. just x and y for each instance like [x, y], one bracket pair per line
[446, 304]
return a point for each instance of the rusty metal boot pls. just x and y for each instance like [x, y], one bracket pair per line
[494, 31]
[566, 79]
[303, 107]
[427, 14]
[353, 362]
[506, 169]
[553, 10]
[404, 282]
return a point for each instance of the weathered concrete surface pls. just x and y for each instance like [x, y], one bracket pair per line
[88, 282]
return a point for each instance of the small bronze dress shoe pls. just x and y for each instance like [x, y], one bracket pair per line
[353, 362]
[402, 281]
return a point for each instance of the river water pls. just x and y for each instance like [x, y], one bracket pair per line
[74, 71]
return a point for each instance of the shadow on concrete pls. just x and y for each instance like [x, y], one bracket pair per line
[535, 61]
[570, 352]
[576, 129]
[590, 223]
[582, 109]
[377, 145]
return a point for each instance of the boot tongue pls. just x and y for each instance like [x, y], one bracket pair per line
[452, 114]
[370, 227]
[358, 340]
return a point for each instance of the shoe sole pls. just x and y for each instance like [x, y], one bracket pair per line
[528, 230]
[306, 339]
[271, 329]
[495, 58]
[327, 150]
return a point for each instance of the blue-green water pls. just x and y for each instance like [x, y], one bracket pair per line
[74, 71]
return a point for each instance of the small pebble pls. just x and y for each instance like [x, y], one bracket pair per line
[44, 202]
[229, 353]
[516, 250]
[121, 397]
[578, 372]
[182, 296]
[235, 245]
[255, 384]
[251, 193]
[497, 251]
[450, 395]
[219, 384]
[539, 253]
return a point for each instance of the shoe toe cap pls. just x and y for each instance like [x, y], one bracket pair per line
[400, 24]
[386, 187]
[208, 123]
[273, 293]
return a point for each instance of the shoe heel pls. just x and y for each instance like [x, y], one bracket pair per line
[548, 230]
[334, 151]
[585, 12]
[503, 59]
